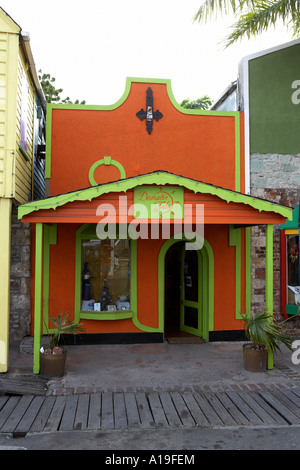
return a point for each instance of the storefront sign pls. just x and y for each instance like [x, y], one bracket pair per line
[158, 202]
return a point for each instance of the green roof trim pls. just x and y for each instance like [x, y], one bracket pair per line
[292, 223]
[159, 178]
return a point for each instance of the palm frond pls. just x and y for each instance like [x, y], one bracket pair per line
[255, 16]
[261, 330]
[63, 325]
[261, 17]
[220, 7]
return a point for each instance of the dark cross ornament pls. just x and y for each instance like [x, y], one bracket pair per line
[149, 114]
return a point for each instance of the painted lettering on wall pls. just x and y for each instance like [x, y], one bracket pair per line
[296, 95]
[160, 202]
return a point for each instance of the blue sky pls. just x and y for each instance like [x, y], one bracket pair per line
[91, 47]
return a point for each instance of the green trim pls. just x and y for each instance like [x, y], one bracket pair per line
[269, 280]
[106, 316]
[24, 153]
[134, 293]
[236, 240]
[38, 296]
[237, 154]
[248, 270]
[209, 278]
[50, 238]
[129, 80]
[89, 231]
[159, 178]
[105, 161]
[189, 303]
[292, 223]
[208, 287]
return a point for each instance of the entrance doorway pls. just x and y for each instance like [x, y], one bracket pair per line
[183, 304]
[172, 290]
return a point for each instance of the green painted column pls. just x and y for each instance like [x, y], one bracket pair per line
[38, 296]
[269, 281]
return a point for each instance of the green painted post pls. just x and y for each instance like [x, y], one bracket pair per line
[248, 271]
[236, 240]
[269, 281]
[38, 297]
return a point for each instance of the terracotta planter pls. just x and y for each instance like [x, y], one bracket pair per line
[52, 365]
[255, 360]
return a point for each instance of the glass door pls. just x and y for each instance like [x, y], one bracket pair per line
[191, 292]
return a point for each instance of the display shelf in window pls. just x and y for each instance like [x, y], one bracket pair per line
[104, 282]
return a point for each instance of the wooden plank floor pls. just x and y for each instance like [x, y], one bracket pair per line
[20, 415]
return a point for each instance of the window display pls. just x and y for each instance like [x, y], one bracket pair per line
[293, 269]
[105, 267]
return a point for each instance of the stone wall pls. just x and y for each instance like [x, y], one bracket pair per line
[277, 179]
[275, 171]
[19, 320]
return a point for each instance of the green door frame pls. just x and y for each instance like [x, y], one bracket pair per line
[208, 286]
[202, 292]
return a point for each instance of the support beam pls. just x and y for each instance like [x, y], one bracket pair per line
[235, 239]
[269, 280]
[49, 238]
[5, 235]
[38, 296]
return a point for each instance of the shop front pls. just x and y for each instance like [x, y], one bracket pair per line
[131, 287]
[157, 243]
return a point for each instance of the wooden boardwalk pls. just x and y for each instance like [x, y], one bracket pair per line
[20, 415]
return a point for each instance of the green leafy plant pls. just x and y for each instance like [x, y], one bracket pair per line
[261, 330]
[201, 103]
[52, 94]
[63, 326]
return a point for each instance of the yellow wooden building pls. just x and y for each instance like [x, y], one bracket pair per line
[22, 113]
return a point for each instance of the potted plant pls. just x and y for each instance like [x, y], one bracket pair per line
[53, 357]
[263, 335]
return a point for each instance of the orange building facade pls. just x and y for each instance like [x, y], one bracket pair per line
[145, 233]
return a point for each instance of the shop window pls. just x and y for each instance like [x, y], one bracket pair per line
[289, 254]
[105, 275]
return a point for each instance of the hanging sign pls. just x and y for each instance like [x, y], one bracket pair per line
[158, 202]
